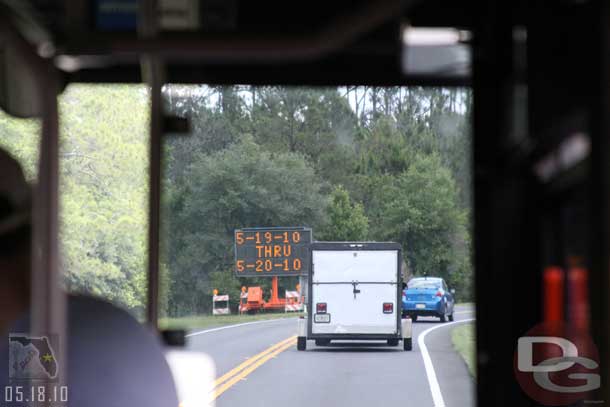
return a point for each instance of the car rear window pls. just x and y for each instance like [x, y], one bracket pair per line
[423, 284]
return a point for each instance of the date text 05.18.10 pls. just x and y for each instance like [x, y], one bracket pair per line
[32, 394]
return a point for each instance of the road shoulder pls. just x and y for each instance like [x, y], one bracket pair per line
[450, 381]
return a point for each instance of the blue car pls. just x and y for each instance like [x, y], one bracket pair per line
[427, 296]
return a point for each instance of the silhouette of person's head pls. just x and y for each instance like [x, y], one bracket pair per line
[15, 240]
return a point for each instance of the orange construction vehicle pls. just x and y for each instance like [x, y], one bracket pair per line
[252, 301]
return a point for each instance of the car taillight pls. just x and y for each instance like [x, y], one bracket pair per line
[388, 307]
[439, 294]
[321, 308]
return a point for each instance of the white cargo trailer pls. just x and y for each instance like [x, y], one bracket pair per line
[354, 294]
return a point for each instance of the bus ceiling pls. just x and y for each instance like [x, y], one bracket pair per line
[340, 43]
[235, 41]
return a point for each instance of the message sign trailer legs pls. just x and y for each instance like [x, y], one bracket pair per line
[275, 303]
[251, 300]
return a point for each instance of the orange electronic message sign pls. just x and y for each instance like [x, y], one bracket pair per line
[272, 251]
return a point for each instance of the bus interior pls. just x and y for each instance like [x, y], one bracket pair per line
[539, 78]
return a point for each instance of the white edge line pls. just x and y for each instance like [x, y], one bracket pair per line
[264, 321]
[435, 388]
[221, 328]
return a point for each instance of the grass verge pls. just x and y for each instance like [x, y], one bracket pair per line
[212, 321]
[463, 338]
[465, 304]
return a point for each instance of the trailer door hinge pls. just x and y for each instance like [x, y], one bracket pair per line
[356, 291]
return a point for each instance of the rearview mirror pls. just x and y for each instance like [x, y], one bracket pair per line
[452, 291]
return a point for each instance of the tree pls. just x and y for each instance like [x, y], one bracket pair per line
[353, 163]
[217, 118]
[104, 189]
[21, 138]
[346, 220]
[241, 186]
[420, 211]
[384, 150]
[318, 123]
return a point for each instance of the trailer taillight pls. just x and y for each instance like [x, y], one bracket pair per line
[321, 308]
[388, 308]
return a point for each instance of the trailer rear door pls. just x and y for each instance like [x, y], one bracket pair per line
[359, 288]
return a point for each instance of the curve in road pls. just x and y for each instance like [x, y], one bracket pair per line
[435, 388]
[258, 370]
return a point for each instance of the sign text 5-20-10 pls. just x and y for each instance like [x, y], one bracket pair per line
[268, 265]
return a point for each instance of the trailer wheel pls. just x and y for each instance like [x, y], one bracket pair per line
[301, 343]
[392, 342]
[407, 344]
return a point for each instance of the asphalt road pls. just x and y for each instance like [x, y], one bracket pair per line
[354, 374]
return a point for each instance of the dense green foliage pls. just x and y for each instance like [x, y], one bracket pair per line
[346, 220]
[464, 341]
[104, 164]
[241, 186]
[352, 163]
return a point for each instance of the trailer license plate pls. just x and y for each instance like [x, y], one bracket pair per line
[420, 306]
[321, 318]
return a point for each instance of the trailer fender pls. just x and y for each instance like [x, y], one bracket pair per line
[302, 327]
[406, 327]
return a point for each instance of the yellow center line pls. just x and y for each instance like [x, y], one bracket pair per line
[250, 365]
[251, 360]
